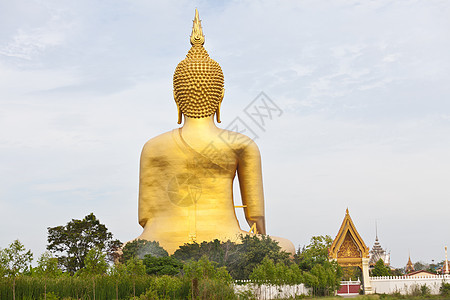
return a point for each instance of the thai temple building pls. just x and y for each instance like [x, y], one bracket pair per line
[409, 266]
[378, 252]
[349, 250]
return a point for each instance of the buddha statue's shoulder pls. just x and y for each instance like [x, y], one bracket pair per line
[239, 142]
[159, 143]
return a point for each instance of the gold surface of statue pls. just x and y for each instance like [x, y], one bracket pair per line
[187, 174]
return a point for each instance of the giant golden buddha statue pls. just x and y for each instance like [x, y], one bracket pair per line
[186, 175]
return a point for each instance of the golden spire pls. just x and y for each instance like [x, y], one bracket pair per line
[446, 270]
[409, 266]
[197, 37]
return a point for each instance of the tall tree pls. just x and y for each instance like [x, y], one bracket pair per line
[316, 252]
[94, 263]
[135, 267]
[278, 274]
[380, 269]
[48, 266]
[15, 260]
[3, 263]
[320, 274]
[72, 242]
[326, 278]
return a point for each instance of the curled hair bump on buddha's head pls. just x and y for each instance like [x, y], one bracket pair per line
[198, 80]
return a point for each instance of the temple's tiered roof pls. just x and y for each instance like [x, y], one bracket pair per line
[409, 266]
[378, 252]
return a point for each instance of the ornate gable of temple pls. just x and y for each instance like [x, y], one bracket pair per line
[348, 248]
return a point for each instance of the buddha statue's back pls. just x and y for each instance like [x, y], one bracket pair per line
[186, 175]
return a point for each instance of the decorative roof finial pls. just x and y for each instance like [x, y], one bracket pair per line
[446, 267]
[197, 37]
[346, 211]
[376, 231]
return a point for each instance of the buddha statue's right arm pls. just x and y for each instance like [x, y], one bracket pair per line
[250, 182]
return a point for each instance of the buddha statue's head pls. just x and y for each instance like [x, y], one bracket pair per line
[198, 80]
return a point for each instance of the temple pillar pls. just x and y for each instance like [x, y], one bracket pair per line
[366, 279]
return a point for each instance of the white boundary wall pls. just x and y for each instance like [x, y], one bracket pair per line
[406, 285]
[266, 291]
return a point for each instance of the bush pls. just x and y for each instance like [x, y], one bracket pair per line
[415, 290]
[215, 289]
[425, 290]
[170, 287]
[50, 296]
[445, 289]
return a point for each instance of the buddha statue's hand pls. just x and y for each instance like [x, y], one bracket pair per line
[260, 223]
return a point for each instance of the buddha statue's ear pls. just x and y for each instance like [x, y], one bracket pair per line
[180, 115]
[218, 108]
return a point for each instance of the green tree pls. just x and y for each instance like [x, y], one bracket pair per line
[380, 269]
[15, 260]
[118, 272]
[314, 253]
[206, 277]
[278, 274]
[322, 275]
[140, 248]
[72, 242]
[47, 266]
[94, 263]
[326, 278]
[135, 267]
[445, 289]
[166, 265]
[204, 268]
[3, 263]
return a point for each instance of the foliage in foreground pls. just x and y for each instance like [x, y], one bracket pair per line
[200, 271]
[202, 280]
[445, 289]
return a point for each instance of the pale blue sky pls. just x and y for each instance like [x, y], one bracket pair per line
[364, 87]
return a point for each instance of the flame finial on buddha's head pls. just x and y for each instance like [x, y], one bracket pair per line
[198, 80]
